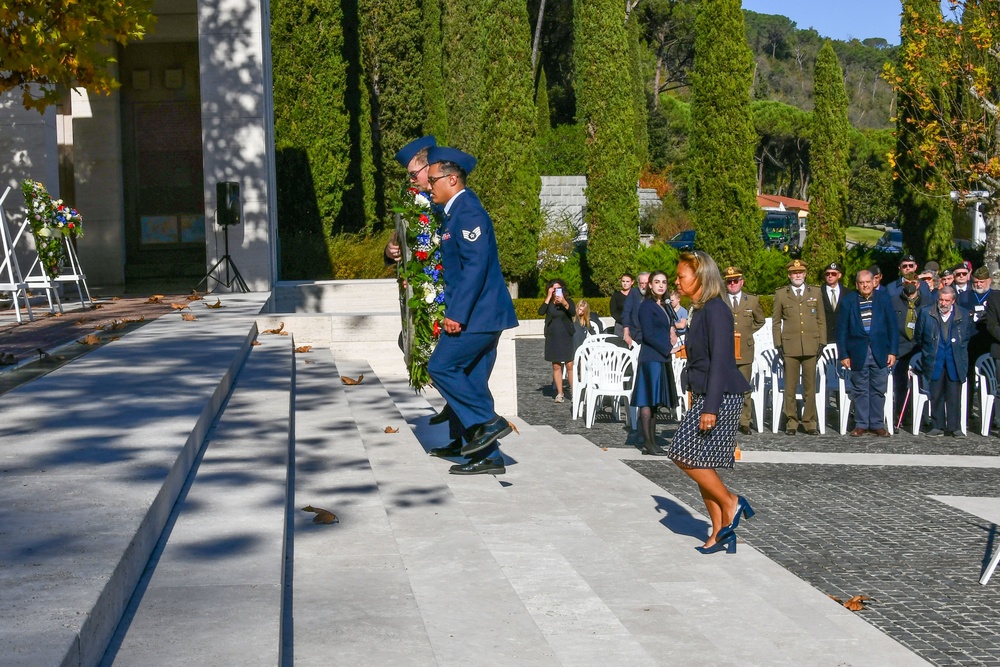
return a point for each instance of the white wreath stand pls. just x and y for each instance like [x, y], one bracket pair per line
[11, 278]
[38, 279]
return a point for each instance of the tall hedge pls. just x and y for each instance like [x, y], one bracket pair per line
[924, 206]
[507, 177]
[463, 74]
[606, 108]
[829, 164]
[432, 73]
[638, 50]
[543, 116]
[722, 175]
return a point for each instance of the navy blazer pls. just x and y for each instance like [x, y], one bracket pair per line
[974, 305]
[655, 325]
[853, 342]
[475, 293]
[711, 355]
[630, 314]
[928, 335]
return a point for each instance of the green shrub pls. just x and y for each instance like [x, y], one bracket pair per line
[561, 152]
[658, 257]
[358, 256]
[770, 273]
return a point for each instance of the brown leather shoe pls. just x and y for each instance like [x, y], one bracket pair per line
[858, 432]
[745, 430]
[881, 432]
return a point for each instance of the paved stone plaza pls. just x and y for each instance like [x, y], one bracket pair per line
[850, 516]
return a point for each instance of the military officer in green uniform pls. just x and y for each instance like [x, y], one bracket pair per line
[799, 330]
[749, 318]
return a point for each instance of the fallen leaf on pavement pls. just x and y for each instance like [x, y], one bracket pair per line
[81, 320]
[178, 306]
[351, 381]
[217, 304]
[156, 298]
[188, 317]
[322, 515]
[256, 343]
[274, 331]
[194, 296]
[90, 339]
[389, 429]
[303, 349]
[116, 298]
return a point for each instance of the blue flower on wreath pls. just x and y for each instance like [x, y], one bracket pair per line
[439, 298]
[423, 238]
[437, 256]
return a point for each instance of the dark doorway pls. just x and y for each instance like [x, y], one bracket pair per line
[162, 161]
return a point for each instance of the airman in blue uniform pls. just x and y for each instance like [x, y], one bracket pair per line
[478, 308]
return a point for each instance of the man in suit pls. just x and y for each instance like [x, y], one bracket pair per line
[749, 318]
[799, 331]
[478, 308]
[867, 344]
[943, 334]
[907, 305]
[962, 275]
[833, 294]
[974, 303]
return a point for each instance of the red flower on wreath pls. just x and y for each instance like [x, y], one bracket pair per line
[439, 267]
[437, 328]
[424, 219]
[421, 255]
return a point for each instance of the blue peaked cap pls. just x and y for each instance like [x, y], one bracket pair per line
[446, 154]
[407, 152]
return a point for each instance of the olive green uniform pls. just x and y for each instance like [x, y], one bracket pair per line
[799, 330]
[749, 318]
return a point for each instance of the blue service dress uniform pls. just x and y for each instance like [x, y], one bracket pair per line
[475, 296]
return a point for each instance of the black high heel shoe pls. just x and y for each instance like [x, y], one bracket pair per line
[728, 543]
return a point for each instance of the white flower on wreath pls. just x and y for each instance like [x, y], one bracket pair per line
[430, 293]
[421, 200]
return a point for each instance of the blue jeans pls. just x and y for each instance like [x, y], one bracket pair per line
[868, 386]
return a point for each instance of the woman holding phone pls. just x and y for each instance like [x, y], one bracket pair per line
[558, 310]
[706, 438]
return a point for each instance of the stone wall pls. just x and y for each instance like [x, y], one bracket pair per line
[563, 197]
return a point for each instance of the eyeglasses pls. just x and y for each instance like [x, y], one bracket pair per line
[911, 265]
[733, 281]
[431, 180]
[414, 174]
[961, 273]
[833, 274]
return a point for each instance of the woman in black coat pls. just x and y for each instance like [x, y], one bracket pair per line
[558, 310]
[706, 438]
[654, 386]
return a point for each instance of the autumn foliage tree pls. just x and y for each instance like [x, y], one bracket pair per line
[50, 45]
[952, 119]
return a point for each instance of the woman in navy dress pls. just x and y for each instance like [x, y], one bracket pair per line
[706, 438]
[654, 379]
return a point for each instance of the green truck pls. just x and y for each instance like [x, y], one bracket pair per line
[780, 230]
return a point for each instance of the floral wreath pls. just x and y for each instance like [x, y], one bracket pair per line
[50, 221]
[421, 279]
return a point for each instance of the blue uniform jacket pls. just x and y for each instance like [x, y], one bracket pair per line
[475, 293]
[711, 352]
[928, 336]
[655, 324]
[853, 342]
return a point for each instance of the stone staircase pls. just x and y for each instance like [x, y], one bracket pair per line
[571, 558]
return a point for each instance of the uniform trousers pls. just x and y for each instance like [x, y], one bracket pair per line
[807, 365]
[946, 403]
[460, 367]
[868, 386]
[745, 369]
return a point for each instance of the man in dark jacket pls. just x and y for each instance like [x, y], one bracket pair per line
[833, 294]
[907, 304]
[867, 344]
[943, 334]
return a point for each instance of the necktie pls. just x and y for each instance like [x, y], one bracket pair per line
[911, 317]
[833, 298]
[735, 302]
[798, 292]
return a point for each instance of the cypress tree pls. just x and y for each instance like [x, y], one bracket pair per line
[393, 37]
[436, 118]
[639, 88]
[311, 126]
[507, 177]
[829, 164]
[543, 117]
[922, 195]
[722, 174]
[606, 109]
[463, 81]
[362, 202]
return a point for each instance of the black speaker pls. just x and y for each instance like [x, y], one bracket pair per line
[227, 195]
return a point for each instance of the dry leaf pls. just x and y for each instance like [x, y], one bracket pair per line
[188, 317]
[57, 314]
[303, 349]
[90, 339]
[116, 298]
[322, 515]
[217, 304]
[351, 381]
[81, 320]
[178, 306]
[100, 327]
[389, 429]
[857, 603]
[256, 343]
[514, 428]
[194, 296]
[156, 298]
[97, 306]
[604, 449]
[283, 333]
[117, 324]
[274, 331]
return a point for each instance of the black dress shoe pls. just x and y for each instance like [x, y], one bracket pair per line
[453, 448]
[441, 417]
[812, 431]
[486, 434]
[745, 430]
[480, 467]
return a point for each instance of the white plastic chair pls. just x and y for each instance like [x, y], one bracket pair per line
[986, 381]
[765, 364]
[611, 375]
[778, 389]
[921, 398]
[758, 389]
[829, 378]
[581, 366]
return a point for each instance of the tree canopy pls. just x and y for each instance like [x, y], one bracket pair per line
[47, 46]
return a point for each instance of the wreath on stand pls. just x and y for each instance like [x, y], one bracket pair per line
[51, 221]
[421, 279]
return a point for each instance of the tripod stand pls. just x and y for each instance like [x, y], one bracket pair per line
[227, 260]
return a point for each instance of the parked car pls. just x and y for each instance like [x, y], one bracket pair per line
[683, 240]
[891, 241]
